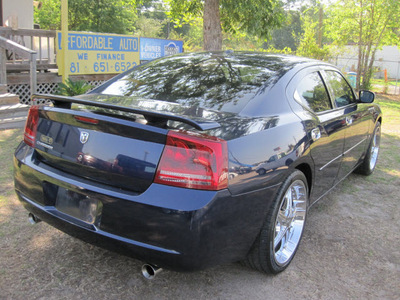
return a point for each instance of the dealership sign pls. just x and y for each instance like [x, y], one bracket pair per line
[92, 53]
[154, 48]
[96, 53]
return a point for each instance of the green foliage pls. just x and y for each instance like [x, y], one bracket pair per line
[255, 18]
[184, 12]
[153, 21]
[308, 46]
[193, 35]
[241, 42]
[288, 35]
[73, 88]
[369, 24]
[150, 27]
[49, 16]
[286, 50]
[111, 16]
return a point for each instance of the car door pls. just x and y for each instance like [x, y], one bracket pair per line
[356, 121]
[326, 127]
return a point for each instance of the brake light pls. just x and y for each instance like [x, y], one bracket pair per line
[192, 161]
[86, 120]
[31, 126]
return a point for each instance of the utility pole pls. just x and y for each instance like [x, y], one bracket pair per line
[64, 39]
[1, 12]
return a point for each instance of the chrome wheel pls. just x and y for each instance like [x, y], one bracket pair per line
[375, 147]
[280, 235]
[371, 157]
[289, 223]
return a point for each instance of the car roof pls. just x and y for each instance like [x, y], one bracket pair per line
[261, 72]
[279, 63]
[267, 58]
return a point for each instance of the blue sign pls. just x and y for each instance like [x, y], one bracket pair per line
[155, 48]
[100, 42]
[95, 53]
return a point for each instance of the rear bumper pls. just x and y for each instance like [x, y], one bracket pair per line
[174, 228]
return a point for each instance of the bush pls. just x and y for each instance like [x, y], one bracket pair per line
[73, 88]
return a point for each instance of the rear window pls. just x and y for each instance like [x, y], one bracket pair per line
[213, 81]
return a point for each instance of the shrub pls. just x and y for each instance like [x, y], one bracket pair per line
[73, 88]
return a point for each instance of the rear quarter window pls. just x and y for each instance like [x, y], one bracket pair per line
[311, 93]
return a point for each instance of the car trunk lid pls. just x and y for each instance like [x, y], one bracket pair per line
[109, 143]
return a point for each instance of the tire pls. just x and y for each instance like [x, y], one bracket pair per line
[371, 158]
[261, 172]
[283, 228]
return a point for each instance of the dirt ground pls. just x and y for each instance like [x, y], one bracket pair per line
[350, 250]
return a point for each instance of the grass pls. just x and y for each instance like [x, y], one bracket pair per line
[380, 86]
[390, 106]
[9, 140]
[388, 169]
[382, 82]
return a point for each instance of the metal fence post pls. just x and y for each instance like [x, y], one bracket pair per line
[33, 81]
[397, 77]
[3, 67]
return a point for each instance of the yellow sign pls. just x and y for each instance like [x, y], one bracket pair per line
[95, 53]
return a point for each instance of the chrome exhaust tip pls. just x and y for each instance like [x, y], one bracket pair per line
[150, 271]
[33, 219]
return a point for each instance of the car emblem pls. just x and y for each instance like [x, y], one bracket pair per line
[46, 139]
[84, 137]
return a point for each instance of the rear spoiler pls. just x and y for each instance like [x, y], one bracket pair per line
[65, 102]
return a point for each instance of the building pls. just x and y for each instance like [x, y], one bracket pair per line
[386, 58]
[17, 13]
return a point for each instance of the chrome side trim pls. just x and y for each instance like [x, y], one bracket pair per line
[329, 162]
[337, 157]
[354, 146]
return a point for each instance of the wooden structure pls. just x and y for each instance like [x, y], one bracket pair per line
[28, 63]
[41, 41]
[23, 53]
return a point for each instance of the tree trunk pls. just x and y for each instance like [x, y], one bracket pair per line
[212, 31]
[320, 25]
[360, 42]
[367, 82]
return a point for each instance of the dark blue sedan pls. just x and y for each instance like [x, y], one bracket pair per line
[199, 159]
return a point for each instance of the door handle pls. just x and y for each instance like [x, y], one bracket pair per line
[349, 120]
[315, 134]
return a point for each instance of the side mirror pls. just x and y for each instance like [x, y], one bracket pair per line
[366, 96]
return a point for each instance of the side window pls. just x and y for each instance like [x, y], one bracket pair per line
[343, 94]
[311, 92]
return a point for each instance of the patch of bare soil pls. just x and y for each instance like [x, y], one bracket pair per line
[350, 250]
[394, 97]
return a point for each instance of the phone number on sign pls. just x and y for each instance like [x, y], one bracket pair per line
[105, 67]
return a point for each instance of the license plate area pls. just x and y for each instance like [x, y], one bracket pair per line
[78, 206]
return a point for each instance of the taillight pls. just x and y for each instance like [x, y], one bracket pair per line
[192, 161]
[31, 126]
